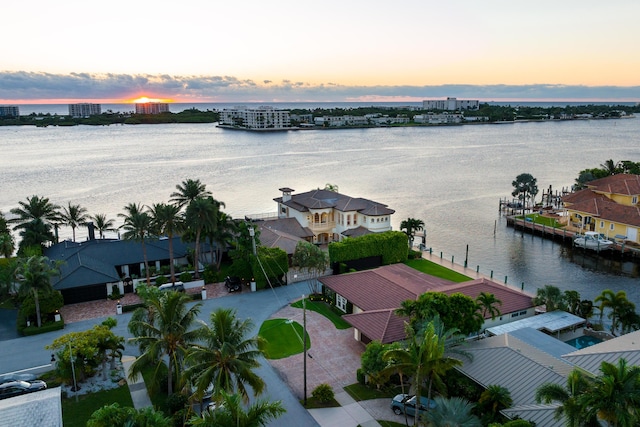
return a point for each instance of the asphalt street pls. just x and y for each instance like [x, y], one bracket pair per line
[27, 353]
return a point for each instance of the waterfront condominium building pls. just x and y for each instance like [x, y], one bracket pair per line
[152, 107]
[255, 118]
[9, 111]
[451, 104]
[84, 110]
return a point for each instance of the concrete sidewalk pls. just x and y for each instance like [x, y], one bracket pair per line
[349, 414]
[137, 388]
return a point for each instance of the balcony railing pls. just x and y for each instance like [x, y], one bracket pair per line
[317, 226]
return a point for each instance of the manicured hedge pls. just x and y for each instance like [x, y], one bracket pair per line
[273, 261]
[392, 246]
[46, 327]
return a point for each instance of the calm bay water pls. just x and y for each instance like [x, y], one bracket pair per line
[450, 177]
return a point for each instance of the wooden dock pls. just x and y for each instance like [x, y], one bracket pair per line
[566, 237]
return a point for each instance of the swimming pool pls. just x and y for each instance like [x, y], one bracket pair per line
[583, 342]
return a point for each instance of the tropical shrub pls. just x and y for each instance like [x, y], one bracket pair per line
[161, 280]
[323, 393]
[186, 277]
[391, 246]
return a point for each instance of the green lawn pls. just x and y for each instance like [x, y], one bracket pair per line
[543, 220]
[324, 309]
[283, 338]
[159, 398]
[436, 270]
[313, 403]
[362, 392]
[76, 414]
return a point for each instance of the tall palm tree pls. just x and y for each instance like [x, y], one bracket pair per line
[224, 232]
[227, 358]
[167, 220]
[615, 394]
[572, 300]
[232, 412]
[525, 187]
[35, 207]
[617, 303]
[410, 226]
[74, 216]
[35, 218]
[200, 216]
[102, 224]
[569, 399]
[137, 226]
[34, 274]
[424, 357]
[167, 333]
[452, 412]
[487, 302]
[188, 191]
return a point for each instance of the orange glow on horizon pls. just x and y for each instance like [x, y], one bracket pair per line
[145, 99]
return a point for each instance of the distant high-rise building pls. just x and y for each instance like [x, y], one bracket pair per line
[9, 111]
[451, 104]
[152, 107]
[84, 110]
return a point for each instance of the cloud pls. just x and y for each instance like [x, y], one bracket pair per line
[25, 86]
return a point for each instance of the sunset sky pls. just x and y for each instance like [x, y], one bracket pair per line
[213, 51]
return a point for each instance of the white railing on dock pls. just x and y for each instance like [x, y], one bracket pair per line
[261, 216]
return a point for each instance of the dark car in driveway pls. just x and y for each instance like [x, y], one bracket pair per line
[16, 388]
[406, 403]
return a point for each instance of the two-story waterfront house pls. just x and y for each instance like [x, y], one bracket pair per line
[608, 206]
[331, 216]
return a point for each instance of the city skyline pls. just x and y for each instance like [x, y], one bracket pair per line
[330, 51]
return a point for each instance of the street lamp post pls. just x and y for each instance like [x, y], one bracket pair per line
[252, 233]
[73, 372]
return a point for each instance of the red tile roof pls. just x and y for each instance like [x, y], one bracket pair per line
[623, 183]
[603, 208]
[379, 292]
[382, 325]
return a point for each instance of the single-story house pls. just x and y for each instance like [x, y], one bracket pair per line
[371, 297]
[91, 269]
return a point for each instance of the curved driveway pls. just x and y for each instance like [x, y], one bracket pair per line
[29, 352]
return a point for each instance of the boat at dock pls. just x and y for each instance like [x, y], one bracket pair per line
[592, 240]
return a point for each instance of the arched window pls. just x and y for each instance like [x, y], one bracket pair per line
[316, 218]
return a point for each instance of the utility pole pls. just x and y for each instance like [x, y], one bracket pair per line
[304, 341]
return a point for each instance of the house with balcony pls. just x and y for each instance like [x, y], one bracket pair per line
[332, 216]
[608, 206]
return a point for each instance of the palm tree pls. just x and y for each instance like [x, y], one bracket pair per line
[423, 356]
[102, 224]
[227, 358]
[615, 394]
[569, 399]
[549, 296]
[410, 226]
[7, 245]
[572, 300]
[232, 412]
[188, 191]
[166, 220]
[167, 333]
[137, 226]
[74, 216]
[452, 412]
[617, 303]
[34, 274]
[611, 167]
[487, 303]
[224, 233]
[35, 218]
[492, 400]
[200, 216]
